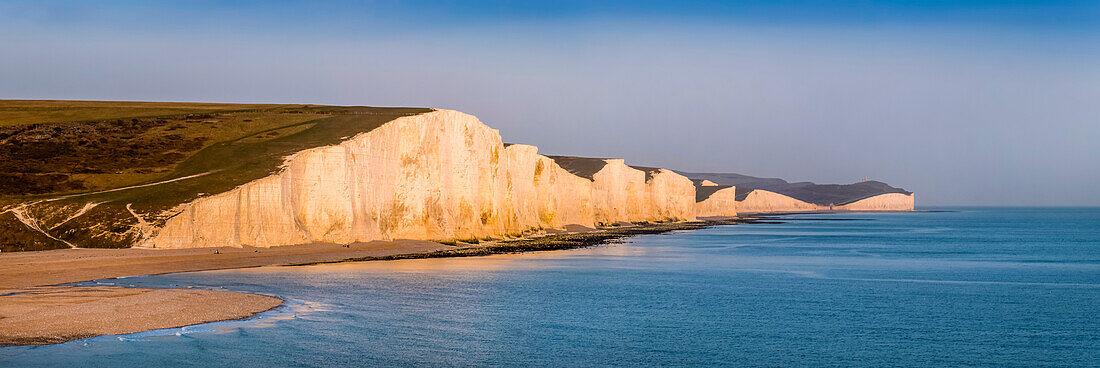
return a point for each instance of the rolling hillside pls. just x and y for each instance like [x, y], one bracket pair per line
[93, 170]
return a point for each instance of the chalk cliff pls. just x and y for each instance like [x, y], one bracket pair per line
[437, 176]
[882, 202]
[715, 200]
[270, 175]
[671, 196]
[764, 195]
[762, 201]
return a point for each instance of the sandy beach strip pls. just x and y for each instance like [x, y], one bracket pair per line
[35, 309]
[56, 314]
[26, 269]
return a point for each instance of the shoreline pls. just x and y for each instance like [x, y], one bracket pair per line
[33, 290]
[762, 215]
[551, 242]
[57, 314]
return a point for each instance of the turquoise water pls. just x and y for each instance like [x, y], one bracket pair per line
[976, 287]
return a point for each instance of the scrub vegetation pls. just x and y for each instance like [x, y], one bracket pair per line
[59, 155]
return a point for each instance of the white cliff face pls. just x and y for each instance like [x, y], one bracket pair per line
[671, 197]
[762, 201]
[722, 203]
[622, 193]
[883, 202]
[544, 194]
[430, 176]
[435, 176]
[617, 193]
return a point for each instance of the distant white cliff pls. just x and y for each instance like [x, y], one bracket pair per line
[436, 176]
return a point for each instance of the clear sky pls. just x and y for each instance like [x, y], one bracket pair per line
[963, 102]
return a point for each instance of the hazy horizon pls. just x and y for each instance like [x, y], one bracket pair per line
[964, 103]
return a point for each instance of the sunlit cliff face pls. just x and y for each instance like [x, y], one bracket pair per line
[436, 176]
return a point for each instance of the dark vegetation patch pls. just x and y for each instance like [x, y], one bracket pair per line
[40, 158]
[215, 151]
[108, 225]
[24, 112]
[16, 236]
[228, 164]
[33, 183]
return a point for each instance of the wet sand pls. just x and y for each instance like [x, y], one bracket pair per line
[35, 309]
[56, 314]
[26, 269]
[33, 313]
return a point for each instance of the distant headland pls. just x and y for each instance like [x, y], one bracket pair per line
[81, 174]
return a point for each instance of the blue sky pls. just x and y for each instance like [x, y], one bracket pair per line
[365, 15]
[804, 12]
[964, 102]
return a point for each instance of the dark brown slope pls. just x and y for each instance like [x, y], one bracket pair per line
[584, 167]
[649, 171]
[704, 192]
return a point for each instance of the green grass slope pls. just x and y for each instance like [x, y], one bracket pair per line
[80, 171]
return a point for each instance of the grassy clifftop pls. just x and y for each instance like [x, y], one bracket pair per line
[83, 173]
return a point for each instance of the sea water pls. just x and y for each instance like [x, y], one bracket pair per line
[971, 287]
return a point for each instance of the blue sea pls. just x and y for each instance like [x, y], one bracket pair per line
[991, 287]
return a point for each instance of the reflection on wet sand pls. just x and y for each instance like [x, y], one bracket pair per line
[494, 262]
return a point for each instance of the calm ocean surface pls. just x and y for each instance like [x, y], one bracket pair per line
[976, 287]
